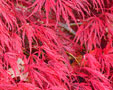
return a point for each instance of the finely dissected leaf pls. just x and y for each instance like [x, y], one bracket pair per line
[56, 45]
[91, 62]
[91, 33]
[59, 7]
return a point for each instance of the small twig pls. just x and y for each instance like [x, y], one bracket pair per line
[74, 24]
[73, 57]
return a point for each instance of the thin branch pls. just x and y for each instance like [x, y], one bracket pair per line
[65, 26]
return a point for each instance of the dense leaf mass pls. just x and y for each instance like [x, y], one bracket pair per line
[56, 44]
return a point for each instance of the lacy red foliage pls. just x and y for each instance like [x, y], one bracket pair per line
[56, 45]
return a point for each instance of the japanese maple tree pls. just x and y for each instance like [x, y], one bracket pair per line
[56, 44]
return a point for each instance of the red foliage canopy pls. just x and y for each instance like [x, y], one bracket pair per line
[56, 45]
